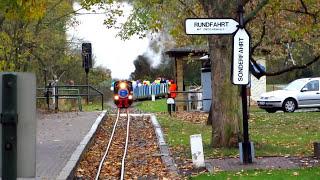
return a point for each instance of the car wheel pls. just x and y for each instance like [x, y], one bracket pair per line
[289, 105]
[271, 110]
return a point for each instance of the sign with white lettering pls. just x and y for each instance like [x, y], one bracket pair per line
[241, 50]
[210, 26]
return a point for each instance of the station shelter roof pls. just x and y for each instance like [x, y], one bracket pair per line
[185, 51]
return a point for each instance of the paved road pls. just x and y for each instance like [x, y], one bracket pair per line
[58, 135]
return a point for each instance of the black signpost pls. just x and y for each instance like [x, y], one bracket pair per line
[87, 63]
[240, 65]
[246, 146]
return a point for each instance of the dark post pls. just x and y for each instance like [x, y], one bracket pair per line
[246, 147]
[87, 63]
[102, 102]
[48, 94]
[56, 96]
[87, 83]
[45, 77]
[46, 87]
[9, 120]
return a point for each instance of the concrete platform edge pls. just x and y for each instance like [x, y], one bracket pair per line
[164, 149]
[68, 170]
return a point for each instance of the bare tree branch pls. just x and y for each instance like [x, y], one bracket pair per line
[63, 16]
[254, 13]
[304, 6]
[305, 11]
[293, 67]
[78, 14]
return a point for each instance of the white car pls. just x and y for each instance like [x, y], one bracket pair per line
[301, 93]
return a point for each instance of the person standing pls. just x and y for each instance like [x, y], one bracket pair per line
[172, 92]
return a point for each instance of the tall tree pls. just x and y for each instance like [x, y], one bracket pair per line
[272, 23]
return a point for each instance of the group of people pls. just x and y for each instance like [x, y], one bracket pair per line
[148, 83]
[172, 85]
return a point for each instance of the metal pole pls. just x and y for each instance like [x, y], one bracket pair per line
[246, 142]
[87, 82]
[45, 77]
[102, 102]
[57, 99]
[9, 120]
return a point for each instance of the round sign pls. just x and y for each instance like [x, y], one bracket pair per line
[170, 101]
[123, 93]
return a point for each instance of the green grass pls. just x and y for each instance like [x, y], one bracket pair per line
[178, 132]
[160, 105]
[93, 107]
[305, 174]
[284, 133]
[273, 134]
[255, 109]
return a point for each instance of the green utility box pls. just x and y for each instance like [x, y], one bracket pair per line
[22, 118]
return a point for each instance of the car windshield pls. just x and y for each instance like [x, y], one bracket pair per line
[296, 85]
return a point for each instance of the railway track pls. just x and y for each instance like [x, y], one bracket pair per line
[115, 144]
[125, 147]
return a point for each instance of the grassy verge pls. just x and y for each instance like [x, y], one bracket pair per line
[285, 133]
[306, 174]
[94, 107]
[276, 134]
[160, 105]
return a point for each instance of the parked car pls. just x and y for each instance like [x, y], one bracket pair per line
[301, 93]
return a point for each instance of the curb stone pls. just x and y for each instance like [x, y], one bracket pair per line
[164, 149]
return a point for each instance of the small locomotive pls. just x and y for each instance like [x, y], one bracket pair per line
[123, 93]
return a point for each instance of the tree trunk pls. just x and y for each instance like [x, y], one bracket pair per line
[225, 112]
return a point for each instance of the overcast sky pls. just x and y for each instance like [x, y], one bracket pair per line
[109, 51]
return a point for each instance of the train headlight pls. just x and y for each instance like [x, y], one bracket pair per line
[122, 85]
[116, 97]
[130, 97]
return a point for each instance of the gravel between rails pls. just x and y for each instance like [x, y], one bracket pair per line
[143, 156]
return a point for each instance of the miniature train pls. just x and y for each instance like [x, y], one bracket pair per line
[123, 94]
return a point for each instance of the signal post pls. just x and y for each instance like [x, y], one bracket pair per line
[87, 63]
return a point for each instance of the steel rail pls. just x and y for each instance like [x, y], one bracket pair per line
[126, 147]
[109, 144]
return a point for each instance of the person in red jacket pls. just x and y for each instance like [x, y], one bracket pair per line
[172, 94]
[172, 88]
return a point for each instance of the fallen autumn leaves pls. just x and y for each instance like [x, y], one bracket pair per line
[143, 157]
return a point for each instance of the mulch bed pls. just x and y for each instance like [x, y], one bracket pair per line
[143, 157]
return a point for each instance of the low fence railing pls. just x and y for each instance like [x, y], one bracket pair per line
[61, 92]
